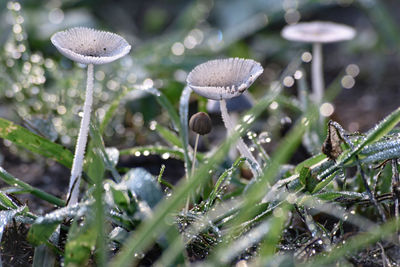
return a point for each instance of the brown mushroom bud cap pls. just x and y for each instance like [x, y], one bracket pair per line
[200, 123]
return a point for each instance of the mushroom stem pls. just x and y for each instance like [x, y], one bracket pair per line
[193, 168]
[241, 146]
[194, 154]
[317, 73]
[77, 165]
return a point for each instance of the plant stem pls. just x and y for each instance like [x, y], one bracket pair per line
[195, 154]
[241, 146]
[193, 167]
[161, 180]
[77, 165]
[317, 74]
[395, 192]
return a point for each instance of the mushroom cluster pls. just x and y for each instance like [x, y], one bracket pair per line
[218, 80]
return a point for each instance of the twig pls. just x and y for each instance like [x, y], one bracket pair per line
[192, 172]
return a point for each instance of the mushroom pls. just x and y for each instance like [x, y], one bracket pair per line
[224, 79]
[235, 106]
[318, 33]
[91, 47]
[200, 123]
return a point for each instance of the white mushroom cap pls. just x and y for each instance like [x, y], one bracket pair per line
[318, 32]
[89, 46]
[224, 78]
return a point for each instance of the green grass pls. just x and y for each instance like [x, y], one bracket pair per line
[310, 213]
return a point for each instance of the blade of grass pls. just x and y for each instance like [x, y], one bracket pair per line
[159, 150]
[220, 180]
[269, 231]
[166, 104]
[97, 145]
[96, 170]
[183, 114]
[168, 135]
[43, 257]
[180, 121]
[7, 202]
[35, 143]
[355, 243]
[113, 107]
[269, 244]
[11, 180]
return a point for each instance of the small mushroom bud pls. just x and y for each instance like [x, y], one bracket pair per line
[200, 123]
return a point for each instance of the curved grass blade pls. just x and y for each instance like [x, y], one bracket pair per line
[98, 150]
[11, 180]
[221, 179]
[35, 143]
[166, 104]
[168, 135]
[183, 113]
[111, 110]
[6, 202]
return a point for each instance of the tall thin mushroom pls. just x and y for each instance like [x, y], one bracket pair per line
[223, 79]
[91, 47]
[318, 33]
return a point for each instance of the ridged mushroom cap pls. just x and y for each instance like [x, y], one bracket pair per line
[318, 32]
[224, 78]
[90, 46]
